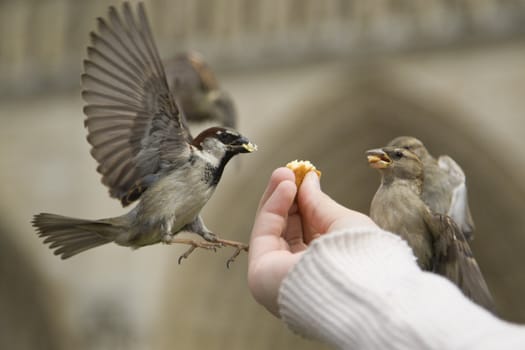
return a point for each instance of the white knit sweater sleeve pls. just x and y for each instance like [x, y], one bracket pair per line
[361, 289]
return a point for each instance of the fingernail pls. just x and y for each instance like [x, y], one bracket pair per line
[313, 179]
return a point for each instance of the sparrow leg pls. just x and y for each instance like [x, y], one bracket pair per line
[169, 238]
[239, 247]
[198, 227]
[193, 245]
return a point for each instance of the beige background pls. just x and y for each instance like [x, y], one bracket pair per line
[323, 82]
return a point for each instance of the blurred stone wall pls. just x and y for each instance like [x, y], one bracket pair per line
[317, 80]
[43, 41]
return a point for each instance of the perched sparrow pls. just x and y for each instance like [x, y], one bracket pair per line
[196, 89]
[436, 240]
[144, 149]
[444, 189]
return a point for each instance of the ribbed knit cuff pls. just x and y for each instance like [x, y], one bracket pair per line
[362, 288]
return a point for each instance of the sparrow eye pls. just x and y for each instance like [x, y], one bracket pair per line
[227, 137]
[398, 154]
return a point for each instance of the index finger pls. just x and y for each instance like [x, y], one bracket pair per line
[278, 176]
[271, 220]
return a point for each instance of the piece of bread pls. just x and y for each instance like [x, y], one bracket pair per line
[300, 169]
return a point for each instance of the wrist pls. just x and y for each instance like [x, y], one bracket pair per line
[313, 296]
[362, 288]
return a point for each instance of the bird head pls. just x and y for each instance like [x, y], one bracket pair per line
[394, 162]
[412, 144]
[223, 143]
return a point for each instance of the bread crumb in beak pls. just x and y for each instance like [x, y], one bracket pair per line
[378, 159]
[250, 147]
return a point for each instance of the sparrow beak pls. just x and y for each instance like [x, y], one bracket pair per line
[378, 159]
[242, 145]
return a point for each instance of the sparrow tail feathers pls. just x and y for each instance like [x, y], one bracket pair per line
[70, 236]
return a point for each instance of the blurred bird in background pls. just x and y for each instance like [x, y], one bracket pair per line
[145, 151]
[437, 241]
[444, 187]
[195, 87]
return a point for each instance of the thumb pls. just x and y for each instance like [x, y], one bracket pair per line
[321, 214]
[317, 209]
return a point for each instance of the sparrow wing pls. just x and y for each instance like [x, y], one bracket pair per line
[453, 259]
[459, 209]
[134, 125]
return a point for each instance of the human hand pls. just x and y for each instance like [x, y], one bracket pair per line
[284, 226]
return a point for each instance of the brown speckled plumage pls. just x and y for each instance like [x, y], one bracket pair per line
[139, 137]
[436, 239]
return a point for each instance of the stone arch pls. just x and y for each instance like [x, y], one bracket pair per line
[333, 127]
[366, 112]
[28, 311]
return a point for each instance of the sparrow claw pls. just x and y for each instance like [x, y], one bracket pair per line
[232, 258]
[193, 245]
[211, 244]
[239, 247]
[186, 254]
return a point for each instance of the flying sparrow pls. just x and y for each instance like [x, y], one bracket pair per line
[144, 149]
[436, 240]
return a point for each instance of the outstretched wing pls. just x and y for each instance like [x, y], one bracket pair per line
[459, 209]
[454, 260]
[134, 125]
